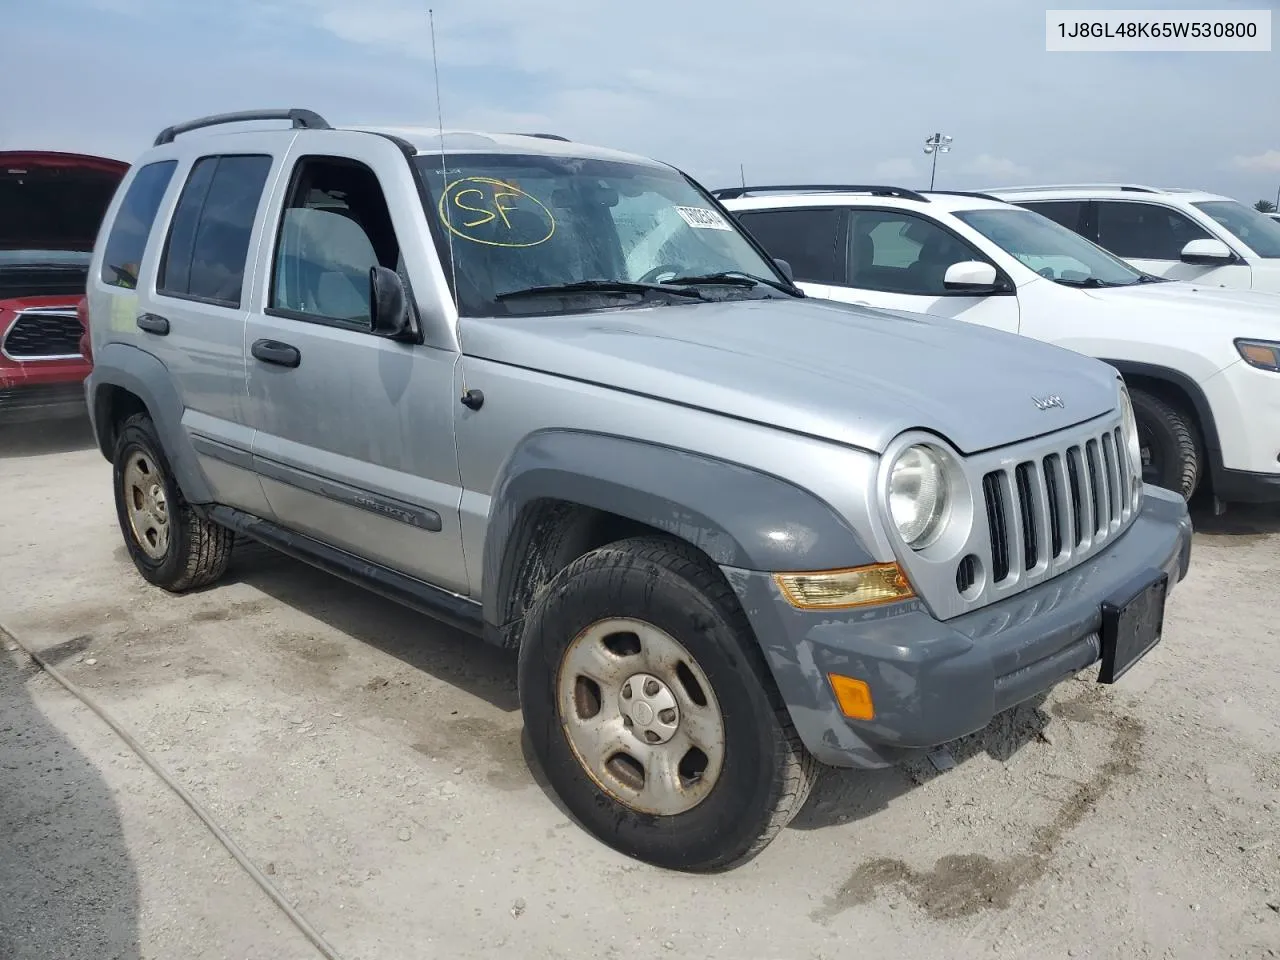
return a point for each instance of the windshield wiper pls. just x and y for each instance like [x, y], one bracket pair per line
[736, 278]
[598, 286]
[1092, 283]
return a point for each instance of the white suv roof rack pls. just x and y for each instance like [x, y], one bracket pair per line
[1134, 187]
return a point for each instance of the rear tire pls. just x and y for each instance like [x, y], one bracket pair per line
[171, 545]
[1170, 444]
[704, 773]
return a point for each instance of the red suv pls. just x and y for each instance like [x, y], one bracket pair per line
[51, 205]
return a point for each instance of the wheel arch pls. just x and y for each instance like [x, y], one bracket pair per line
[563, 493]
[1178, 389]
[125, 381]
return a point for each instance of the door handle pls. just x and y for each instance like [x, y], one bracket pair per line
[153, 323]
[273, 351]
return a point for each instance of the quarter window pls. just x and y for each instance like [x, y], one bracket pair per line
[806, 239]
[1144, 231]
[208, 241]
[335, 227]
[127, 241]
[896, 252]
[1069, 213]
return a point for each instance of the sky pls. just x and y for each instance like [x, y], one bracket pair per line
[795, 91]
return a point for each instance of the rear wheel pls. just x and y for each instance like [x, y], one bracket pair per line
[171, 545]
[651, 710]
[1171, 455]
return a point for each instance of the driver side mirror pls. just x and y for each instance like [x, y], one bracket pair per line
[786, 270]
[389, 312]
[1207, 252]
[971, 276]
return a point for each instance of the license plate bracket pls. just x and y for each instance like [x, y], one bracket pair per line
[1132, 623]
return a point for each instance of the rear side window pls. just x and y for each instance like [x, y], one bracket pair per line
[127, 240]
[1069, 213]
[806, 239]
[204, 258]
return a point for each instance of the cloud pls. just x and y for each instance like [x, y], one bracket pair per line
[1266, 162]
[988, 165]
[737, 83]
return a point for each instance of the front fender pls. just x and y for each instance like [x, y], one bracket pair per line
[737, 516]
[141, 374]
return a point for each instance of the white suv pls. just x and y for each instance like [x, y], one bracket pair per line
[1174, 233]
[1203, 364]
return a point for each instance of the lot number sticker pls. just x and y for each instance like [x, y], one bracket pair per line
[700, 218]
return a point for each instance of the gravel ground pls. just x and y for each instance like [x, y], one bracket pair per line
[372, 764]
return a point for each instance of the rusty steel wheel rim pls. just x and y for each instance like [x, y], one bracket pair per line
[142, 487]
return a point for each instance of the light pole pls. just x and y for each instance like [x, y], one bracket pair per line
[936, 144]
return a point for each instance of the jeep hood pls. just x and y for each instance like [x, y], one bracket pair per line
[849, 374]
[54, 201]
[1252, 313]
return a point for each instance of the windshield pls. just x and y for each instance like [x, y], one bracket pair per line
[1050, 249]
[618, 230]
[1256, 229]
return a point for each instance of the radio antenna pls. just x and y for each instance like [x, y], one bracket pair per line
[444, 170]
[742, 172]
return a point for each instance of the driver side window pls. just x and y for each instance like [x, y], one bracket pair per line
[892, 251]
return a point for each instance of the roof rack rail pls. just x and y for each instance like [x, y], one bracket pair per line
[976, 194]
[301, 120]
[1133, 187]
[876, 190]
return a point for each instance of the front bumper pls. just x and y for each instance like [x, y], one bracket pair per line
[934, 681]
[31, 402]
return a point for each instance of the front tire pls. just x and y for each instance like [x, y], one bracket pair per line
[171, 545]
[1171, 455]
[651, 711]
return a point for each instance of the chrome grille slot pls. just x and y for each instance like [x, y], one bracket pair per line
[1097, 493]
[1028, 509]
[1076, 488]
[997, 522]
[1109, 465]
[1057, 509]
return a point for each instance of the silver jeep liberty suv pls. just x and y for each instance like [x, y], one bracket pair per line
[554, 395]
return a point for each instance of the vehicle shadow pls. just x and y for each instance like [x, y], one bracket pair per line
[68, 888]
[45, 437]
[841, 796]
[466, 662]
[1239, 520]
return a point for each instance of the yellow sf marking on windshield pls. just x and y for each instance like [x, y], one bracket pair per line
[492, 202]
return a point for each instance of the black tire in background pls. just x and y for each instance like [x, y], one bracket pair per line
[766, 774]
[1170, 436]
[198, 551]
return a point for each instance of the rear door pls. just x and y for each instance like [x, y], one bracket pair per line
[192, 313]
[808, 238]
[354, 441]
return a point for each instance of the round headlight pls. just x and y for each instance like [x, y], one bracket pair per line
[1133, 446]
[918, 496]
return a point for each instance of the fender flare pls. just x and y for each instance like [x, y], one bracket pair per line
[1200, 403]
[737, 516]
[132, 369]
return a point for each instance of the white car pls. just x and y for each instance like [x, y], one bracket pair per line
[1179, 234]
[1203, 364]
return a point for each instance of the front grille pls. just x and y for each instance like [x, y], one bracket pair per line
[1058, 505]
[43, 334]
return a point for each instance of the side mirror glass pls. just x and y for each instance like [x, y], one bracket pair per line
[973, 276]
[786, 270]
[389, 311]
[1207, 251]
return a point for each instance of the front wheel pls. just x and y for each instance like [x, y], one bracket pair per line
[652, 713]
[1170, 450]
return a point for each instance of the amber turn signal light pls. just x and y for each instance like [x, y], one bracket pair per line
[838, 589]
[854, 697]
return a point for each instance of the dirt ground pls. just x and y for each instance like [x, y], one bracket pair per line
[372, 764]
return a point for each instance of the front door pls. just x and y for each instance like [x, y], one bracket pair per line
[1151, 237]
[354, 439]
[897, 260]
